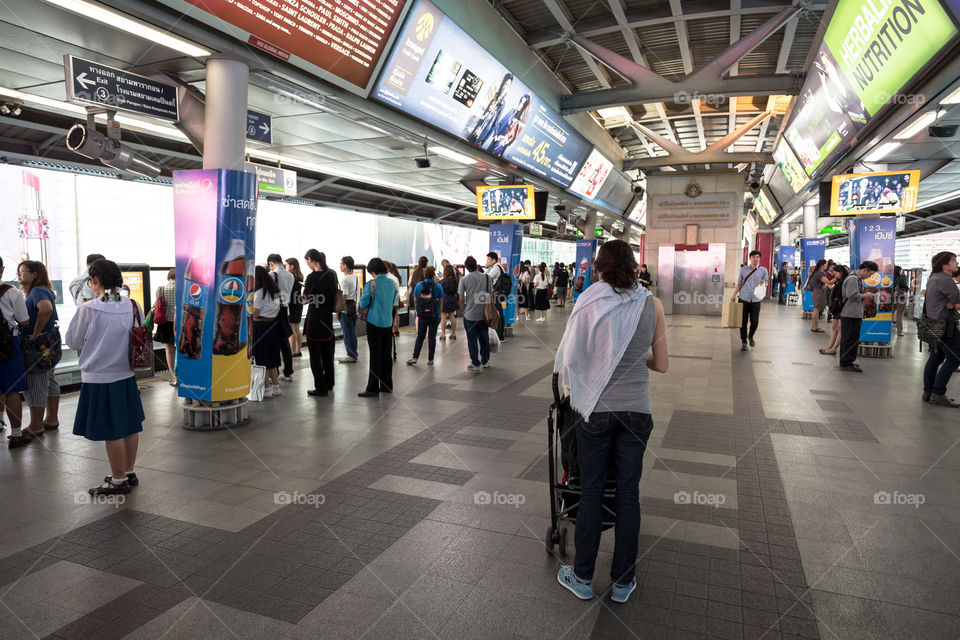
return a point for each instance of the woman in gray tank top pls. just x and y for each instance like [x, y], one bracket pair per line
[604, 363]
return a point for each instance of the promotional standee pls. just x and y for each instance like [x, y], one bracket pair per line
[506, 240]
[215, 214]
[875, 240]
[583, 273]
[813, 250]
[786, 254]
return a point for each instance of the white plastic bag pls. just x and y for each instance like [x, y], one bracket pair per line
[494, 341]
[258, 377]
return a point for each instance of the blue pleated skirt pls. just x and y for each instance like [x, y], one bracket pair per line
[109, 411]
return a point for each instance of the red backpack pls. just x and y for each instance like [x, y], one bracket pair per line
[160, 309]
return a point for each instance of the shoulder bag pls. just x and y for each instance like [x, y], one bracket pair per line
[745, 282]
[351, 309]
[43, 352]
[339, 301]
[365, 311]
[141, 351]
[929, 330]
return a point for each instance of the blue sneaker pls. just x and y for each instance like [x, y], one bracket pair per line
[576, 586]
[620, 594]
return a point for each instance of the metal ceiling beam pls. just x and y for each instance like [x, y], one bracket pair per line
[728, 140]
[560, 15]
[649, 86]
[734, 36]
[789, 32]
[704, 157]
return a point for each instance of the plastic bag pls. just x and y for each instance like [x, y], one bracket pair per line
[258, 377]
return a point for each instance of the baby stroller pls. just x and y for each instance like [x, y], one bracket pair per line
[565, 489]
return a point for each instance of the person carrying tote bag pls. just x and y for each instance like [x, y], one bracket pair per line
[40, 344]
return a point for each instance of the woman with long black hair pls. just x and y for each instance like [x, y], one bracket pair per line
[320, 295]
[296, 307]
[265, 332]
[541, 301]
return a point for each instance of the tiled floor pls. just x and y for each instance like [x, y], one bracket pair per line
[782, 498]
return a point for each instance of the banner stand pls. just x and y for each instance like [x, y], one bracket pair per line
[875, 239]
[506, 240]
[811, 252]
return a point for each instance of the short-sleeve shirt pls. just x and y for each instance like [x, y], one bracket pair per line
[474, 288]
[14, 309]
[750, 283]
[38, 294]
[269, 307]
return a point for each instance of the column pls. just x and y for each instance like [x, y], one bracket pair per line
[225, 115]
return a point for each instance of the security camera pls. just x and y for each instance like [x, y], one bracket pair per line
[942, 131]
[638, 189]
[423, 163]
[755, 186]
[87, 141]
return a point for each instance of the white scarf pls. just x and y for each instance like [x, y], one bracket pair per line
[599, 330]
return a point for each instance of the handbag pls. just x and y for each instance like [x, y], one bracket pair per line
[365, 311]
[159, 310]
[340, 301]
[141, 343]
[43, 352]
[931, 331]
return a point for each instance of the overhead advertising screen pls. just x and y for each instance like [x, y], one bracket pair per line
[639, 212]
[885, 192]
[439, 74]
[344, 38]
[506, 202]
[764, 208]
[790, 167]
[871, 49]
[592, 175]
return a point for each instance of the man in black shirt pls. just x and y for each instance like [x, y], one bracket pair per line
[783, 277]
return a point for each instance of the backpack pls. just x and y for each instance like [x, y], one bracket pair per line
[427, 301]
[160, 308]
[836, 299]
[6, 334]
[503, 285]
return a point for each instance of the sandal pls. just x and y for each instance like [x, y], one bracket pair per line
[51, 427]
[828, 353]
[817, 331]
[443, 337]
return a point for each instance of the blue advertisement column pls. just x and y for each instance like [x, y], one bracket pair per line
[788, 254]
[812, 250]
[215, 213]
[583, 275]
[506, 240]
[875, 240]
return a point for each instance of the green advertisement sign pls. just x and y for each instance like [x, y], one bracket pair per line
[831, 230]
[880, 44]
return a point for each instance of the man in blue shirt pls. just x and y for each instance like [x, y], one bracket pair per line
[751, 276]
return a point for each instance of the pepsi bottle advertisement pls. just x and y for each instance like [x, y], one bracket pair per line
[505, 240]
[215, 212]
[875, 240]
[583, 268]
[813, 250]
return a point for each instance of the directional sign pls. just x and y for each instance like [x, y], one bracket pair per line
[274, 179]
[832, 229]
[111, 88]
[259, 127]
[536, 229]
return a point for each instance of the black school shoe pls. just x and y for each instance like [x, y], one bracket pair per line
[22, 440]
[131, 478]
[851, 367]
[110, 489]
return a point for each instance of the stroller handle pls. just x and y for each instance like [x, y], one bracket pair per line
[556, 387]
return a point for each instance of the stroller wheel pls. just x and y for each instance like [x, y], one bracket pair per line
[551, 540]
[562, 543]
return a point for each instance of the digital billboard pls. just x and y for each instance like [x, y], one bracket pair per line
[885, 192]
[639, 212]
[506, 202]
[592, 175]
[790, 167]
[764, 208]
[439, 74]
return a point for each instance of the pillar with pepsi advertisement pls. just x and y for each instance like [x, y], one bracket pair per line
[788, 254]
[215, 213]
[506, 240]
[812, 250]
[874, 239]
[583, 270]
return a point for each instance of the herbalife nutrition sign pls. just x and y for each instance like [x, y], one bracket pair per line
[881, 44]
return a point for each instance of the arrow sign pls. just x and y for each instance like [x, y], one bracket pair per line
[259, 127]
[98, 84]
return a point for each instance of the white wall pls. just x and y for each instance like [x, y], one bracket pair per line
[292, 229]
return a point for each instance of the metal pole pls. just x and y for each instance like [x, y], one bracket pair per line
[225, 115]
[784, 234]
[810, 212]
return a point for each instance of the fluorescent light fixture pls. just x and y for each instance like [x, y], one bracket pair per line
[881, 152]
[938, 199]
[916, 126]
[452, 155]
[793, 216]
[952, 98]
[120, 21]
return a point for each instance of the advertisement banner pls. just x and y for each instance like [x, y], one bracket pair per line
[215, 213]
[441, 75]
[592, 176]
[583, 274]
[506, 240]
[875, 240]
[790, 166]
[885, 192]
[813, 250]
[788, 254]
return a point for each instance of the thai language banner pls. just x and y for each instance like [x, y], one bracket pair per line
[875, 240]
[506, 240]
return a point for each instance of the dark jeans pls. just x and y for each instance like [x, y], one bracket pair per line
[478, 339]
[348, 325]
[425, 326]
[627, 432]
[751, 312]
[321, 363]
[380, 341]
[849, 340]
[941, 364]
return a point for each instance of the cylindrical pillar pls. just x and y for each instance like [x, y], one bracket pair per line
[225, 114]
[810, 212]
[590, 224]
[784, 233]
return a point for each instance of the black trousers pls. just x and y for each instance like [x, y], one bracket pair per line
[380, 342]
[321, 363]
[849, 340]
[751, 312]
[285, 354]
[500, 321]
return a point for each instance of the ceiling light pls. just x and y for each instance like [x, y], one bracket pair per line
[952, 98]
[120, 21]
[453, 155]
[881, 152]
[916, 126]
[938, 199]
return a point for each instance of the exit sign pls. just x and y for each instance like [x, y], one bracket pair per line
[832, 230]
[598, 233]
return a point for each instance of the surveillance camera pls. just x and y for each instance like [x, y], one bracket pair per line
[942, 131]
[638, 189]
[93, 144]
[423, 163]
[755, 186]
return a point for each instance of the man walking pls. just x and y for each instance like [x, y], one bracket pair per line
[474, 289]
[285, 281]
[751, 277]
[495, 273]
[851, 317]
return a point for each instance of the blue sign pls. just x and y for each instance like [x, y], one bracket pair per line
[505, 240]
[583, 269]
[788, 254]
[875, 240]
[812, 250]
[111, 88]
[259, 127]
[441, 75]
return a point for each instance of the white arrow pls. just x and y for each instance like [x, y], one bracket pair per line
[83, 80]
[264, 128]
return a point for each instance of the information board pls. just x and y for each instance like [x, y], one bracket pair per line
[709, 210]
[98, 84]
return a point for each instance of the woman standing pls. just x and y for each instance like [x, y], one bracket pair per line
[450, 303]
[43, 394]
[266, 334]
[378, 298]
[428, 295]
[815, 286]
[901, 291]
[601, 356]
[165, 326]
[350, 285]
[542, 300]
[109, 409]
[13, 378]
[415, 277]
[524, 303]
[320, 293]
[296, 307]
[838, 274]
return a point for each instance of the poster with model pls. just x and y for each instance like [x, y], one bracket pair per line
[506, 240]
[875, 240]
[812, 250]
[583, 266]
[592, 176]
[886, 192]
[441, 75]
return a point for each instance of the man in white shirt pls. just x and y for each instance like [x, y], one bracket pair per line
[494, 272]
[13, 379]
[80, 286]
[350, 285]
[285, 281]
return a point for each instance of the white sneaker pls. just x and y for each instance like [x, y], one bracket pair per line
[472, 367]
[485, 366]
[276, 391]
